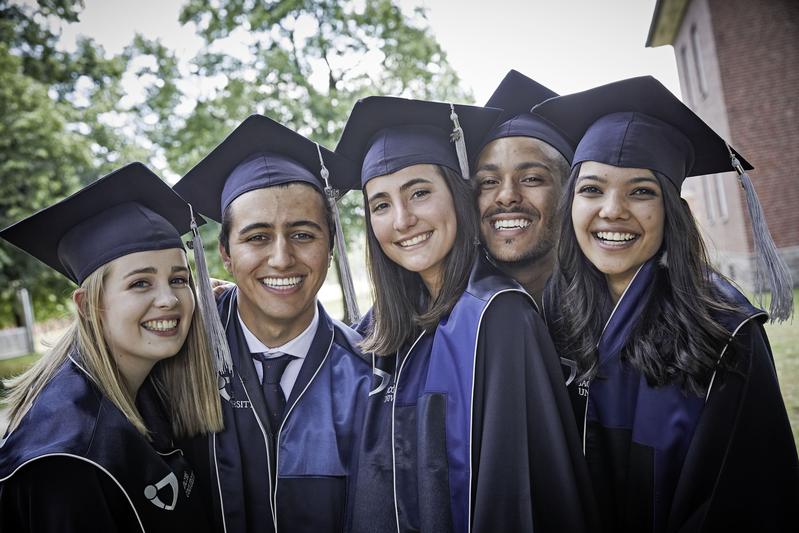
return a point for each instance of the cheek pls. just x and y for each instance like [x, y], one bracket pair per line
[382, 231]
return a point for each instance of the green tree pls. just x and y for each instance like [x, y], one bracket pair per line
[52, 136]
[306, 63]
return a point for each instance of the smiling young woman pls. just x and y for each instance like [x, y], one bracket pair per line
[684, 427]
[89, 445]
[468, 425]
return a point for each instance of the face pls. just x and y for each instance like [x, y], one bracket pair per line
[413, 218]
[147, 307]
[618, 218]
[278, 254]
[519, 184]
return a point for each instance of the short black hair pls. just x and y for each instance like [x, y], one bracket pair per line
[227, 218]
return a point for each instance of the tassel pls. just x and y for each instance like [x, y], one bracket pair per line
[350, 301]
[207, 304]
[771, 269]
[459, 139]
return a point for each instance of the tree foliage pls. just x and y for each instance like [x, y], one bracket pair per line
[304, 64]
[53, 139]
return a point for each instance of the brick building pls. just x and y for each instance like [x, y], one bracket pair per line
[738, 63]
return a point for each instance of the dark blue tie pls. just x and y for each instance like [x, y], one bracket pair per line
[273, 368]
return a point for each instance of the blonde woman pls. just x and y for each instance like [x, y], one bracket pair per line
[89, 446]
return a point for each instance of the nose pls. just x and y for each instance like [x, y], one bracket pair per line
[404, 218]
[281, 255]
[614, 207]
[508, 193]
[166, 298]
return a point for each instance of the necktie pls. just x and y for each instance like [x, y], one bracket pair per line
[273, 368]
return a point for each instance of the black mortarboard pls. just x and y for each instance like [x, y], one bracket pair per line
[259, 153]
[130, 210]
[516, 95]
[385, 134]
[638, 123]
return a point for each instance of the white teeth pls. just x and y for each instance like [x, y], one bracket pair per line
[416, 240]
[160, 325]
[515, 223]
[282, 282]
[615, 236]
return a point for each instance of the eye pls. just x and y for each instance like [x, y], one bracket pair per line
[179, 281]
[589, 190]
[303, 236]
[139, 284]
[532, 180]
[420, 193]
[488, 182]
[380, 206]
[257, 237]
[644, 191]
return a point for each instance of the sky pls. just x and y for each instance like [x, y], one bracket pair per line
[567, 45]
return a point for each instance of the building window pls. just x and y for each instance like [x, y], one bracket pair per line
[701, 80]
[709, 199]
[686, 68]
[721, 195]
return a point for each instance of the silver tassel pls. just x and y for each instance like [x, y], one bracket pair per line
[350, 301]
[460, 143]
[771, 269]
[207, 305]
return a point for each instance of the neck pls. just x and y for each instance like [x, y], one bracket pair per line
[133, 375]
[616, 286]
[532, 276]
[272, 332]
[433, 285]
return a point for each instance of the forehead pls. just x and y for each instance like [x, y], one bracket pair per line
[158, 259]
[509, 151]
[279, 204]
[394, 181]
[610, 172]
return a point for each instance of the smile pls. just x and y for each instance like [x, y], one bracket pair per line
[615, 238]
[415, 240]
[511, 224]
[288, 282]
[160, 325]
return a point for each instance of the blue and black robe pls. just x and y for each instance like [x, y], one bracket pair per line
[469, 428]
[662, 459]
[75, 464]
[296, 477]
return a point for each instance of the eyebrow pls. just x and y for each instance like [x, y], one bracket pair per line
[266, 225]
[153, 270]
[526, 165]
[637, 179]
[404, 187]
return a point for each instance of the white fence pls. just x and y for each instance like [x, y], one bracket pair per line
[19, 341]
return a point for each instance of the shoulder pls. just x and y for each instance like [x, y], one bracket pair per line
[742, 311]
[346, 339]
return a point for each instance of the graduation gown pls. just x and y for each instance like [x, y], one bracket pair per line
[76, 464]
[470, 429]
[664, 460]
[295, 477]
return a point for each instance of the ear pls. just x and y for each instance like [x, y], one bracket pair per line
[79, 297]
[225, 257]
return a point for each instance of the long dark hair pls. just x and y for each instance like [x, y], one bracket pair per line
[676, 339]
[402, 307]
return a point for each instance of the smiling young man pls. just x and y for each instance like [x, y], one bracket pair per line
[519, 174]
[294, 403]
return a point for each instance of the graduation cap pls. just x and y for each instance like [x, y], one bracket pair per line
[130, 210]
[262, 153]
[385, 134]
[258, 154]
[516, 95]
[638, 123]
